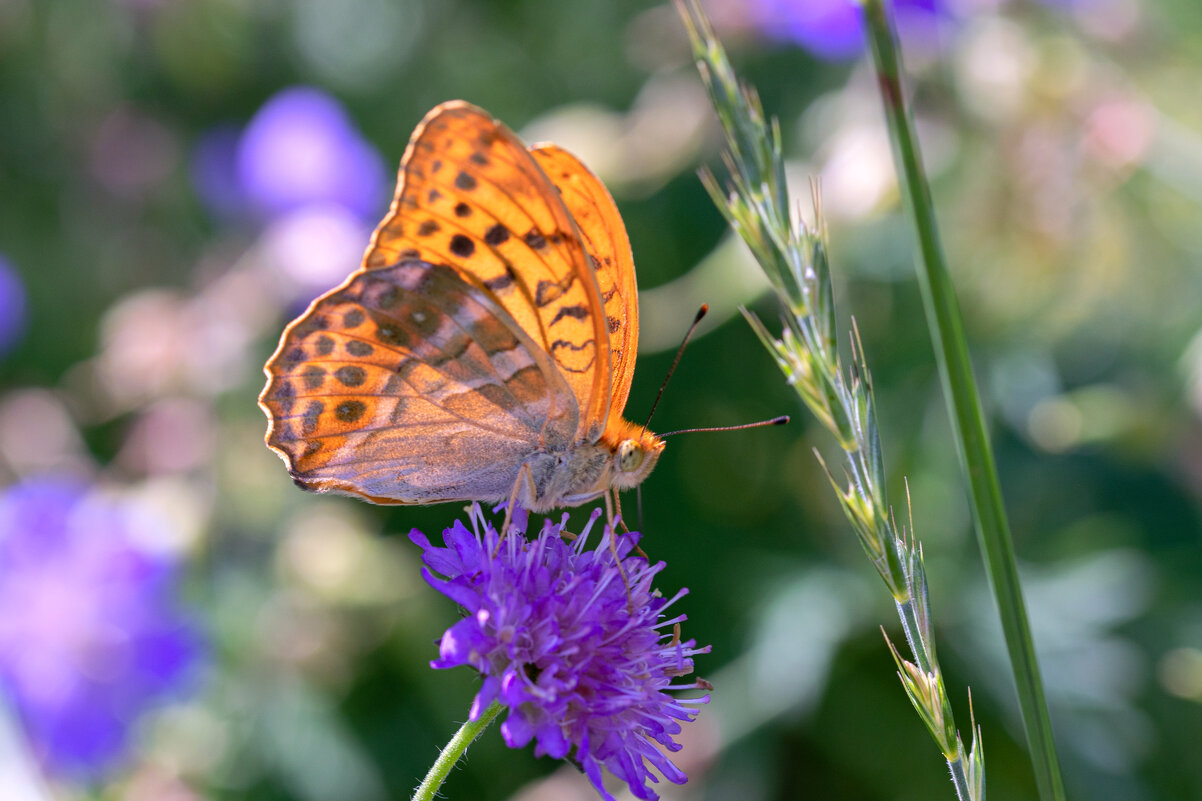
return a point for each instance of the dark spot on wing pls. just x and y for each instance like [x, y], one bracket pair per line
[284, 394]
[393, 335]
[462, 209]
[465, 181]
[578, 312]
[314, 376]
[501, 281]
[535, 239]
[352, 319]
[425, 321]
[324, 345]
[312, 413]
[547, 291]
[496, 235]
[351, 375]
[462, 246]
[427, 227]
[356, 347]
[350, 410]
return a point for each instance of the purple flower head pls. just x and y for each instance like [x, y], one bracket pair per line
[89, 631]
[581, 661]
[214, 170]
[300, 149]
[12, 306]
[834, 29]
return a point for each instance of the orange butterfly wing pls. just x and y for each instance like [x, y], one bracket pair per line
[475, 333]
[471, 195]
[597, 217]
[407, 384]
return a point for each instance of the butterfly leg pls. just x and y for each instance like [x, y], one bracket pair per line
[524, 477]
[621, 517]
[611, 500]
[617, 501]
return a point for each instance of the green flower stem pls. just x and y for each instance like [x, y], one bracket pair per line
[454, 751]
[968, 424]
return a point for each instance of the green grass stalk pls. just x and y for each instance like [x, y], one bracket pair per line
[756, 204]
[964, 405]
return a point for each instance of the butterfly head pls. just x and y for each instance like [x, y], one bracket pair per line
[634, 457]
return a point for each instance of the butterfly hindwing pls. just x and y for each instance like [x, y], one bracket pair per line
[604, 234]
[409, 384]
[470, 195]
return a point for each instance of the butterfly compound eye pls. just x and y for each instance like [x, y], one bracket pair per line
[630, 456]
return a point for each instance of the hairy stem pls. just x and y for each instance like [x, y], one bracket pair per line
[454, 751]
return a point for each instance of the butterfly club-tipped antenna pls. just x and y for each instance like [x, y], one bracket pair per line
[679, 352]
[775, 421]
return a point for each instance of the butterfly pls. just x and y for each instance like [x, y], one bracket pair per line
[485, 348]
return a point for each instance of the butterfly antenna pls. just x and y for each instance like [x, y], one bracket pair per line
[775, 421]
[679, 352]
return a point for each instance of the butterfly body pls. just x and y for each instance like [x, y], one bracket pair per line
[484, 350]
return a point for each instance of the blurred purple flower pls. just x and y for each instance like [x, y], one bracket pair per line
[89, 631]
[581, 661]
[12, 306]
[214, 170]
[833, 29]
[299, 149]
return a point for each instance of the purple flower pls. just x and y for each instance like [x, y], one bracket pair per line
[833, 29]
[12, 306]
[581, 661]
[300, 149]
[214, 170]
[89, 632]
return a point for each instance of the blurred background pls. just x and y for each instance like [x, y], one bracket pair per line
[178, 178]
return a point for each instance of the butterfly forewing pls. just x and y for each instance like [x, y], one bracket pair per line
[409, 384]
[604, 234]
[471, 196]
